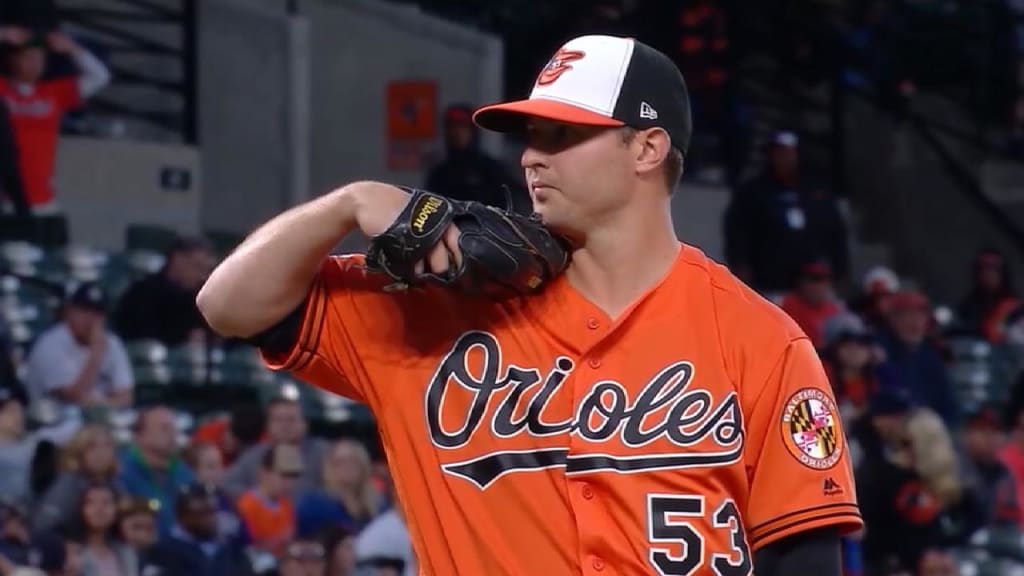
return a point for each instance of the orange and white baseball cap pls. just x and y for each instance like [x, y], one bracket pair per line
[602, 80]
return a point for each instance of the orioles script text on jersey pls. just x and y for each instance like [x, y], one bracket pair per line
[539, 436]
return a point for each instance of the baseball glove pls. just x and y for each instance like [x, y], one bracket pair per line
[504, 254]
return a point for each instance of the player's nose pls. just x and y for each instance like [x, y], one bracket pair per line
[532, 158]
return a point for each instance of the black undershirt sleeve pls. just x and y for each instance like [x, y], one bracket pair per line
[817, 552]
[281, 338]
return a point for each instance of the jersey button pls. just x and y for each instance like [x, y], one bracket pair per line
[594, 363]
[587, 491]
[597, 563]
[593, 323]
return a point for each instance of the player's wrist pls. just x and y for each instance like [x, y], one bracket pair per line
[356, 202]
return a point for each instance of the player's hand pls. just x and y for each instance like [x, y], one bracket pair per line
[377, 208]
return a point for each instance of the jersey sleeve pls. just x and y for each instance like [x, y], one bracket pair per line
[320, 342]
[799, 466]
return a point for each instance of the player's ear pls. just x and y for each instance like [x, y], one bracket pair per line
[652, 147]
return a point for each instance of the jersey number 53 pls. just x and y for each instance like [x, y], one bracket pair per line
[668, 524]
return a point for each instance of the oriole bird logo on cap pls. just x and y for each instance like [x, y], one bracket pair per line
[558, 65]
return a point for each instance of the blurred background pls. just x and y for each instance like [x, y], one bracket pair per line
[859, 162]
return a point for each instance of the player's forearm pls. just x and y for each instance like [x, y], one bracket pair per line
[269, 274]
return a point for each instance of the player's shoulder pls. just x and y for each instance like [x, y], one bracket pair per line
[739, 311]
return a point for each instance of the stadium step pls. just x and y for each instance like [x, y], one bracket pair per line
[148, 45]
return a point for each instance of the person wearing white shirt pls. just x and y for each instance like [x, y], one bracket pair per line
[78, 361]
[383, 544]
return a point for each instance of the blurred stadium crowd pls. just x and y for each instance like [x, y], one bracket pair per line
[133, 441]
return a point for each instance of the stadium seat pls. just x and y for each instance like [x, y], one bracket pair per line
[149, 237]
[85, 264]
[21, 258]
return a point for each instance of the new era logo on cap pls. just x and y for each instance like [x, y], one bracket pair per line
[602, 81]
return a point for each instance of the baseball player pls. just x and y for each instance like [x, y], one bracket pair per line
[642, 412]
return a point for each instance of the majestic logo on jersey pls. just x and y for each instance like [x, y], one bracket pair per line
[810, 429]
[667, 407]
[558, 65]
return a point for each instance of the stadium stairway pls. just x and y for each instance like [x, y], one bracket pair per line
[148, 44]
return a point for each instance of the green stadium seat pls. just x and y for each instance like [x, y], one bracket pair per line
[145, 262]
[146, 352]
[149, 237]
[223, 242]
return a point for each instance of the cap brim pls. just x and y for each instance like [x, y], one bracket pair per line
[512, 116]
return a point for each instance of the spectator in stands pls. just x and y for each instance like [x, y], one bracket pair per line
[989, 479]
[37, 103]
[194, 547]
[89, 458]
[876, 289]
[162, 306]
[48, 553]
[268, 510]
[384, 545]
[285, 424]
[992, 297]
[151, 467]
[913, 363]
[136, 524]
[233, 434]
[8, 371]
[102, 552]
[78, 360]
[775, 224]
[205, 460]
[15, 537]
[340, 546]
[304, 557]
[702, 51]
[814, 301]
[932, 507]
[851, 362]
[1012, 452]
[467, 172]
[348, 497]
[881, 432]
[18, 446]
[936, 562]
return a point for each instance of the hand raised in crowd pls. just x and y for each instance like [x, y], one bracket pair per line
[98, 338]
[14, 35]
[61, 43]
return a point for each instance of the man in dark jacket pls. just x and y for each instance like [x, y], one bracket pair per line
[774, 224]
[913, 362]
[162, 306]
[192, 548]
[467, 173]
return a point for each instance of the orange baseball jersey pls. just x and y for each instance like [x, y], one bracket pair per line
[540, 436]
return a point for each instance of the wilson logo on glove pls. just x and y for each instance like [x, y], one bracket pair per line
[427, 206]
[504, 254]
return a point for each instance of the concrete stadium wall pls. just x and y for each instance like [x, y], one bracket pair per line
[291, 107]
[105, 185]
[911, 204]
[247, 50]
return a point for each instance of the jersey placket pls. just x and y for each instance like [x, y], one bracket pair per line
[587, 506]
